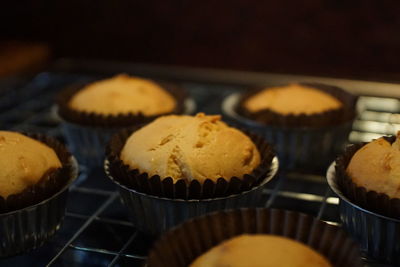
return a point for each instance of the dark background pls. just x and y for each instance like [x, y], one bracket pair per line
[348, 38]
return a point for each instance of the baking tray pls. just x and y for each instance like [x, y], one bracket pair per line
[96, 230]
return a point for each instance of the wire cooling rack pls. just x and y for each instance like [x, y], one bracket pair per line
[96, 230]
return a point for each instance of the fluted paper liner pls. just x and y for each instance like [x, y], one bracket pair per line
[165, 187]
[51, 182]
[113, 121]
[328, 118]
[368, 199]
[183, 244]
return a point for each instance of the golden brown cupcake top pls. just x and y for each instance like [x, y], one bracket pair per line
[23, 162]
[191, 148]
[292, 99]
[376, 166]
[123, 94]
[261, 250]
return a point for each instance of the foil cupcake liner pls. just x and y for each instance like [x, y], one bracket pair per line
[87, 144]
[300, 148]
[182, 245]
[27, 228]
[377, 235]
[153, 215]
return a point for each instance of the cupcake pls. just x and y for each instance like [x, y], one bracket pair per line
[254, 237]
[34, 178]
[308, 123]
[365, 178]
[249, 250]
[177, 167]
[94, 111]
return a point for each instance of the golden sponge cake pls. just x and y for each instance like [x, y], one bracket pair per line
[261, 251]
[292, 99]
[376, 166]
[123, 94]
[191, 148]
[23, 162]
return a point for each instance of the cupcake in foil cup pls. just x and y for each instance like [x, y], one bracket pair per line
[158, 202]
[371, 217]
[307, 136]
[183, 244]
[30, 217]
[92, 112]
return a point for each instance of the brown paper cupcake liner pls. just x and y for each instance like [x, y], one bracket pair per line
[112, 121]
[183, 244]
[368, 199]
[328, 118]
[51, 182]
[165, 187]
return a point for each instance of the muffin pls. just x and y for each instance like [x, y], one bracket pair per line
[249, 250]
[189, 165]
[191, 148]
[94, 111]
[308, 123]
[34, 178]
[365, 177]
[376, 167]
[293, 99]
[23, 162]
[123, 94]
[369, 175]
[254, 237]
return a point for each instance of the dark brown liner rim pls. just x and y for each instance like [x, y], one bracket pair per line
[115, 166]
[47, 183]
[323, 119]
[289, 214]
[109, 121]
[359, 195]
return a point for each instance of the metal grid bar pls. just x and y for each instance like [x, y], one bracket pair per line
[116, 258]
[111, 198]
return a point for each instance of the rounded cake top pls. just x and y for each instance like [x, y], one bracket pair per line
[123, 94]
[250, 250]
[293, 99]
[191, 148]
[376, 166]
[23, 162]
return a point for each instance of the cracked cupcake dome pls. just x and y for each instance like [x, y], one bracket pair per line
[23, 162]
[376, 166]
[123, 94]
[191, 148]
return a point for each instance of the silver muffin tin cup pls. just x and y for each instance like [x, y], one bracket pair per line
[88, 143]
[153, 215]
[28, 228]
[297, 148]
[378, 235]
[183, 244]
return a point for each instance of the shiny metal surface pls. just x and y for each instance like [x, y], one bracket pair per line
[28, 228]
[377, 235]
[153, 215]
